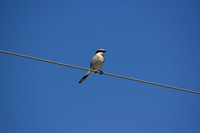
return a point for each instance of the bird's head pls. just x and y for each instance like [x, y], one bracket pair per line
[100, 50]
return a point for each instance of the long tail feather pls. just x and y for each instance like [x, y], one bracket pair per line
[84, 77]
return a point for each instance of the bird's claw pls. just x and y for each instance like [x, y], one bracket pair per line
[100, 72]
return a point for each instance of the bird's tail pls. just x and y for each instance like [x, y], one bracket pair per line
[84, 77]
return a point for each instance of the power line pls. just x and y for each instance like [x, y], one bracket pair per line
[62, 64]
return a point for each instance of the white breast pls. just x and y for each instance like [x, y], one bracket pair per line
[97, 61]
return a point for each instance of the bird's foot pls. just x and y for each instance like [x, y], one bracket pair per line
[100, 72]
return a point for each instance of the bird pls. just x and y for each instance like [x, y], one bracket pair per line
[96, 63]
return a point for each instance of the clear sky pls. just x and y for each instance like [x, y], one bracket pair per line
[156, 40]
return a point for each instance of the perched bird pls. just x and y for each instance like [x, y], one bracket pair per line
[96, 63]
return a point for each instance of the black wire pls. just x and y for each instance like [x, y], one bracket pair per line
[62, 64]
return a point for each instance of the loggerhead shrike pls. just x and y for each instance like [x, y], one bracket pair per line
[96, 63]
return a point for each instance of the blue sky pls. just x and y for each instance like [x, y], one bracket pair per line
[155, 40]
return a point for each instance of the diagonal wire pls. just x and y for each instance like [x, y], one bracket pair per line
[114, 75]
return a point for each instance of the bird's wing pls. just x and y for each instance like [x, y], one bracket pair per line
[93, 62]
